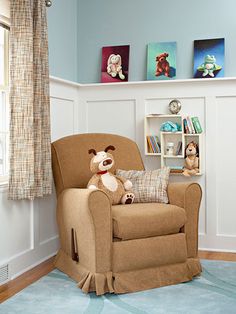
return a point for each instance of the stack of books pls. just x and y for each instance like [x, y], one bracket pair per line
[176, 169]
[192, 125]
[179, 148]
[153, 144]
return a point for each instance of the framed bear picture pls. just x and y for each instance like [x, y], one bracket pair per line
[161, 61]
[115, 64]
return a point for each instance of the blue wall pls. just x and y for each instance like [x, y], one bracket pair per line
[79, 28]
[63, 37]
[138, 22]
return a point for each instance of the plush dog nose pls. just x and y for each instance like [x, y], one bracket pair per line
[190, 150]
[107, 162]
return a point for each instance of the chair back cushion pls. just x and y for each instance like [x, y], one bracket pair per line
[71, 161]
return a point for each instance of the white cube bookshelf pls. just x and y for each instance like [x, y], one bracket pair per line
[152, 126]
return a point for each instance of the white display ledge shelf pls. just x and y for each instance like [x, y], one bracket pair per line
[192, 134]
[165, 156]
[174, 156]
[181, 174]
[130, 83]
[172, 133]
[159, 115]
[153, 154]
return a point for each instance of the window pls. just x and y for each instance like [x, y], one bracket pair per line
[4, 102]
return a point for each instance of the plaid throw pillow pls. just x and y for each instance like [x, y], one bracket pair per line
[148, 186]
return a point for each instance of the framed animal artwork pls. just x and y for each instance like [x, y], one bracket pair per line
[161, 61]
[115, 64]
[209, 57]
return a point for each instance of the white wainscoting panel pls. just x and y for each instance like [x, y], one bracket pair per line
[202, 98]
[47, 219]
[28, 233]
[225, 155]
[64, 109]
[16, 227]
[62, 114]
[112, 116]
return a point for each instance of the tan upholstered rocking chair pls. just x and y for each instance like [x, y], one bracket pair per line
[104, 259]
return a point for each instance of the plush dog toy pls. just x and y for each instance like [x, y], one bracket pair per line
[191, 165]
[114, 67]
[163, 66]
[117, 188]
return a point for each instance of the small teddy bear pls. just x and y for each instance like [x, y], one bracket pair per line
[191, 165]
[163, 66]
[117, 188]
[114, 66]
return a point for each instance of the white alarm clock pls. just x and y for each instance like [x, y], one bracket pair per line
[175, 106]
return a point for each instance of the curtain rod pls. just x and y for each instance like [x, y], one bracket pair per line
[48, 3]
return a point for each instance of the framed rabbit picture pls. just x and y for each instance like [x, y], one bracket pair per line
[115, 64]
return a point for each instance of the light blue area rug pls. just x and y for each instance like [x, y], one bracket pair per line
[214, 292]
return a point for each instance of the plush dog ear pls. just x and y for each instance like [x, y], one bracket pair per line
[166, 55]
[92, 151]
[185, 152]
[109, 59]
[119, 62]
[110, 147]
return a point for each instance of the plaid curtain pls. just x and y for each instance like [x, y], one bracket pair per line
[30, 152]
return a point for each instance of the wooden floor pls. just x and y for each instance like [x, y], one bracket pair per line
[217, 256]
[21, 282]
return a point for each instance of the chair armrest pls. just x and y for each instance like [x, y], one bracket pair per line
[88, 212]
[188, 196]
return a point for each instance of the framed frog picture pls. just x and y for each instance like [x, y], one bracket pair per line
[209, 58]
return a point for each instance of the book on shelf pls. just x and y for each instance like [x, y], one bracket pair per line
[196, 124]
[149, 145]
[155, 114]
[153, 144]
[155, 149]
[157, 143]
[192, 125]
[185, 126]
[176, 169]
[179, 149]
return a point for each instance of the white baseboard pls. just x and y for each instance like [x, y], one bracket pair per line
[217, 250]
[33, 265]
[32, 258]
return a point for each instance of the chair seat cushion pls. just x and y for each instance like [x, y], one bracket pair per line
[142, 220]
